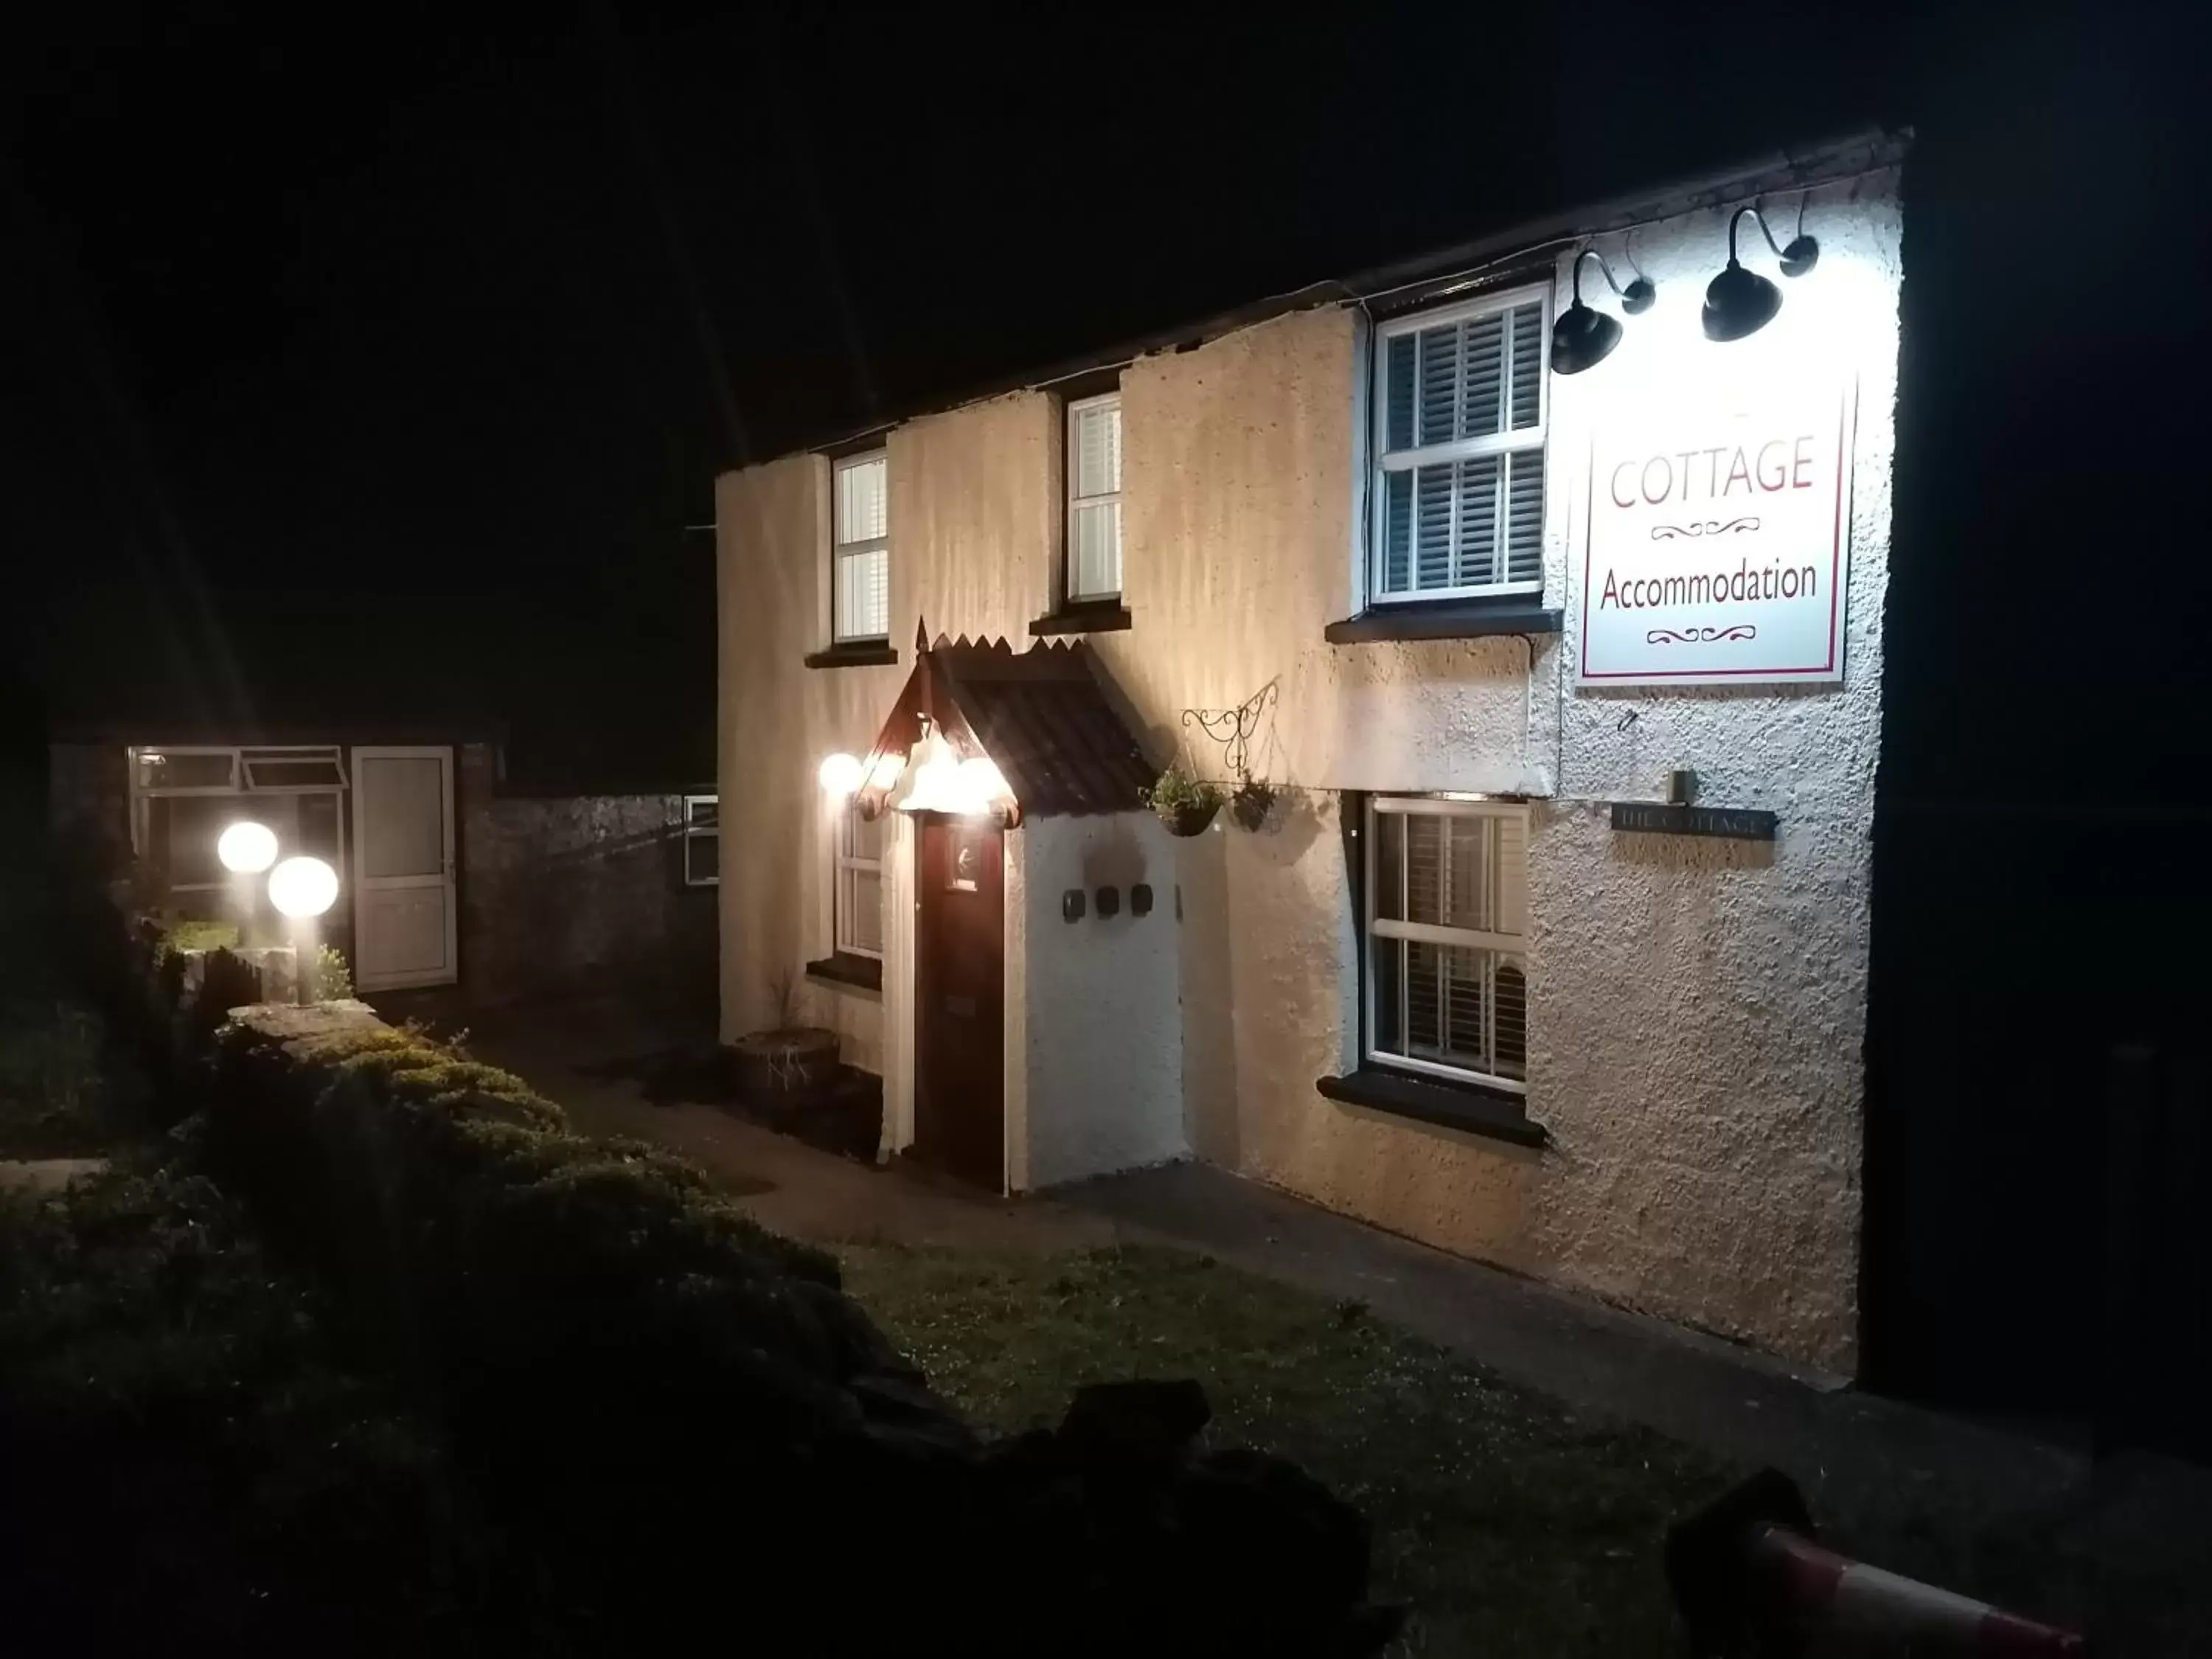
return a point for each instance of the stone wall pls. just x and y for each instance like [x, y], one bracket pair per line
[577, 893]
[558, 894]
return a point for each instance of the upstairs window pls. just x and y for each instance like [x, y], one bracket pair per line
[1094, 498]
[861, 555]
[1446, 935]
[1460, 410]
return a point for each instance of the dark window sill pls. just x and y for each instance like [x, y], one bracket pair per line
[864, 973]
[1454, 619]
[1086, 617]
[1479, 1111]
[865, 654]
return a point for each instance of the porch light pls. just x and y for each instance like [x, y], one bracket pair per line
[302, 887]
[980, 783]
[246, 848]
[936, 785]
[1581, 338]
[886, 770]
[1740, 301]
[840, 775]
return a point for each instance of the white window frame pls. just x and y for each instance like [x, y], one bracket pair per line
[840, 551]
[693, 831]
[843, 863]
[241, 787]
[1511, 442]
[1076, 595]
[1372, 926]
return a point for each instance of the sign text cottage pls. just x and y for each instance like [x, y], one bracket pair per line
[1714, 542]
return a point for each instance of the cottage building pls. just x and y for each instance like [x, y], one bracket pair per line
[1541, 588]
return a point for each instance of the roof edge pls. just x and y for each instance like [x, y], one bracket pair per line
[1867, 150]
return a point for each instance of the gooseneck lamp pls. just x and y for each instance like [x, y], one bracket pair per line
[1740, 301]
[1583, 337]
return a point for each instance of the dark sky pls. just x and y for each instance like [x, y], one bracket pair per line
[399, 358]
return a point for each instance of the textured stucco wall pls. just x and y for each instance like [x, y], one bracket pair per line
[1103, 1034]
[1698, 1007]
[776, 718]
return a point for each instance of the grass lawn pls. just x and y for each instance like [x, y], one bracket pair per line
[1506, 1525]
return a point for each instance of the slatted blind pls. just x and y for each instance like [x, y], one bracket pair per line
[1469, 521]
[1094, 484]
[1449, 909]
[861, 586]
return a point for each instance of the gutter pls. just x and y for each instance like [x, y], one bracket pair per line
[1409, 282]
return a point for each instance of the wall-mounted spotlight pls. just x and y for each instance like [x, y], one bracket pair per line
[1739, 301]
[1583, 337]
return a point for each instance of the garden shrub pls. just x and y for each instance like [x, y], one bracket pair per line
[188, 1465]
[678, 1411]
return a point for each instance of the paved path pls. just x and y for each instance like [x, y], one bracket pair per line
[1854, 1453]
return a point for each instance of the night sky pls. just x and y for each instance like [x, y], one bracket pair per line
[381, 371]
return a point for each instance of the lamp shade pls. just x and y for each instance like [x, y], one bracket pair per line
[1581, 337]
[303, 887]
[1739, 302]
[246, 848]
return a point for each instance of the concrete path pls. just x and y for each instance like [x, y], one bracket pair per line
[1853, 1453]
[589, 1059]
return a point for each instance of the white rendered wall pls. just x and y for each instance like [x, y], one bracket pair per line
[1103, 1037]
[1698, 1007]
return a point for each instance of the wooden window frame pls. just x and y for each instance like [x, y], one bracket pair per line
[840, 551]
[1073, 597]
[695, 832]
[1373, 926]
[1524, 440]
[844, 863]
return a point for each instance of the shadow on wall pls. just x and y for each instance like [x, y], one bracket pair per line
[1209, 1028]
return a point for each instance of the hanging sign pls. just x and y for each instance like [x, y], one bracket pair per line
[1715, 542]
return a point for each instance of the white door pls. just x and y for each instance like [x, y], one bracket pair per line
[404, 919]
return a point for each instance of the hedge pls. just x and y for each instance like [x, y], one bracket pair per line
[695, 1430]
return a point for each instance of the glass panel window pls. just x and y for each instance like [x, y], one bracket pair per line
[1094, 498]
[861, 553]
[187, 769]
[702, 840]
[1447, 924]
[1460, 428]
[859, 884]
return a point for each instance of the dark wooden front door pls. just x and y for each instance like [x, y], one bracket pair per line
[960, 948]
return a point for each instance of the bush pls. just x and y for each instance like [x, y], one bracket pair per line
[188, 1465]
[328, 978]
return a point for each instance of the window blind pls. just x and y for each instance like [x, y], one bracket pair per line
[1448, 910]
[860, 584]
[1094, 487]
[1463, 455]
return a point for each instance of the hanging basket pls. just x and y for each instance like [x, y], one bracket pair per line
[1189, 818]
[1250, 804]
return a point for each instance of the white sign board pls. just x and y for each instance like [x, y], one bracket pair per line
[1715, 542]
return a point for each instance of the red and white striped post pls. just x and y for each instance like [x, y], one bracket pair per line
[1752, 1584]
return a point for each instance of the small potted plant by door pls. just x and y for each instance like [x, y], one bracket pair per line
[1185, 804]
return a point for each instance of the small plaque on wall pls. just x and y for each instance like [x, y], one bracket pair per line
[1656, 817]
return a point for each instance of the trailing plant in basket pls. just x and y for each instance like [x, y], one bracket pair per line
[1250, 804]
[1185, 804]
